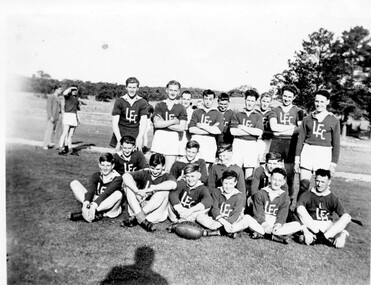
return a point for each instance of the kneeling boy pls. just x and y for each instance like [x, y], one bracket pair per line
[147, 192]
[103, 195]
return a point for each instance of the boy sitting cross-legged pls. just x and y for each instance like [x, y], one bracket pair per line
[227, 211]
[190, 198]
[271, 207]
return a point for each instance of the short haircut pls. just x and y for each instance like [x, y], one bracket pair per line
[265, 95]
[192, 167]
[107, 156]
[323, 172]
[208, 92]
[224, 147]
[280, 171]
[173, 82]
[291, 88]
[273, 156]
[193, 144]
[131, 80]
[253, 93]
[187, 92]
[128, 140]
[223, 97]
[157, 159]
[324, 93]
[228, 174]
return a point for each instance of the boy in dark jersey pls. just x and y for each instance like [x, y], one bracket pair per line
[169, 121]
[190, 198]
[271, 208]
[206, 124]
[223, 103]
[225, 163]
[128, 158]
[227, 213]
[129, 115]
[185, 100]
[103, 194]
[191, 156]
[284, 122]
[147, 193]
[318, 143]
[315, 209]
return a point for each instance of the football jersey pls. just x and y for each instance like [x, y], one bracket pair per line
[260, 179]
[267, 133]
[144, 179]
[321, 208]
[135, 162]
[292, 117]
[226, 136]
[253, 120]
[177, 168]
[325, 133]
[177, 111]
[190, 197]
[263, 206]
[230, 208]
[210, 117]
[102, 189]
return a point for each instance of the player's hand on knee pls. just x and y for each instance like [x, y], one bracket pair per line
[308, 237]
[276, 228]
[86, 214]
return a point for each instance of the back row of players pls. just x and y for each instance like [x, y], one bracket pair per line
[278, 134]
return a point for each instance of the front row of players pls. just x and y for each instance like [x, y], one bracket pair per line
[154, 195]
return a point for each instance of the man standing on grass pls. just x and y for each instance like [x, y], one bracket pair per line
[206, 124]
[129, 115]
[147, 193]
[53, 108]
[318, 143]
[223, 103]
[169, 121]
[284, 123]
[315, 209]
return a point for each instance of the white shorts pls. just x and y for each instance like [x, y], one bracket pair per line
[182, 144]
[263, 146]
[207, 147]
[245, 153]
[70, 119]
[271, 220]
[165, 142]
[313, 157]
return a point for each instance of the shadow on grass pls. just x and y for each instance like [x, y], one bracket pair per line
[138, 273]
[82, 146]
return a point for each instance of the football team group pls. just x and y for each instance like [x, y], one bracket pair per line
[228, 171]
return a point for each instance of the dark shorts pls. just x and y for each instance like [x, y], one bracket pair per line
[286, 147]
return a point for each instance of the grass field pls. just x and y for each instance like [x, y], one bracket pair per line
[44, 247]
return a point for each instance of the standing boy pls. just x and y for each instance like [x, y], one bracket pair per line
[318, 143]
[129, 115]
[147, 192]
[169, 121]
[223, 103]
[247, 127]
[103, 194]
[190, 198]
[284, 123]
[53, 108]
[315, 210]
[205, 125]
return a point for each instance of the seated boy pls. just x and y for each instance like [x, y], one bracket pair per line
[190, 198]
[147, 192]
[128, 158]
[261, 175]
[191, 156]
[103, 195]
[225, 163]
[227, 211]
[271, 207]
[315, 209]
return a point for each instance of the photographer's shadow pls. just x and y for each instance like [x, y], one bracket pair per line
[138, 273]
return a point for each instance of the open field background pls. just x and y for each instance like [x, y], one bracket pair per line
[44, 247]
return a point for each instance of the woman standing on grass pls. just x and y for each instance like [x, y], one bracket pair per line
[69, 108]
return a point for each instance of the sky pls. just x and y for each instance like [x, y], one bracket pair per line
[207, 44]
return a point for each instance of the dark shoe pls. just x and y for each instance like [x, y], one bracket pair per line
[76, 216]
[148, 226]
[62, 152]
[233, 235]
[129, 222]
[282, 239]
[256, 235]
[211, 233]
[321, 239]
[74, 153]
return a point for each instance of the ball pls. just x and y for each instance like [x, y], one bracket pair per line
[188, 230]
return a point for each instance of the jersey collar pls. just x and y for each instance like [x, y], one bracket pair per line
[324, 193]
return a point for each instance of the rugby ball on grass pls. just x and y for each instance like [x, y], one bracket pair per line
[188, 230]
